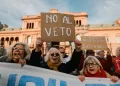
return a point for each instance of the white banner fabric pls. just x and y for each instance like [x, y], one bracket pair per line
[15, 75]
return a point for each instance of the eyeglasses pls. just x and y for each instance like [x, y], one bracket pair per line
[91, 64]
[55, 54]
[15, 48]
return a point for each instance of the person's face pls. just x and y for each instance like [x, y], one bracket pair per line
[78, 45]
[102, 53]
[62, 51]
[54, 57]
[18, 52]
[92, 67]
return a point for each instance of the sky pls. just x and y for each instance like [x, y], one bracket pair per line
[99, 11]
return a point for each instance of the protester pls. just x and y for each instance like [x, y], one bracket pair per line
[66, 58]
[2, 51]
[93, 68]
[18, 53]
[116, 62]
[105, 61]
[78, 53]
[90, 53]
[36, 55]
[54, 59]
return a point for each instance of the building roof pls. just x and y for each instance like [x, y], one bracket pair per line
[11, 29]
[103, 25]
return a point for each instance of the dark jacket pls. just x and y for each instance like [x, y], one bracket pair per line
[69, 66]
[81, 58]
[35, 59]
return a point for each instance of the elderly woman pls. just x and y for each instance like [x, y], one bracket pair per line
[18, 53]
[93, 68]
[53, 61]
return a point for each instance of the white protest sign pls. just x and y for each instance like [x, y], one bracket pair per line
[94, 42]
[15, 75]
[57, 27]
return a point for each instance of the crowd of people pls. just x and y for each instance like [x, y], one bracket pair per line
[80, 63]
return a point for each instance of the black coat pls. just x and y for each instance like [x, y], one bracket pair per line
[35, 59]
[69, 66]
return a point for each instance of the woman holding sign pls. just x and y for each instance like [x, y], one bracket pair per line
[93, 68]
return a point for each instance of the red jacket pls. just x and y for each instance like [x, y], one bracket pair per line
[106, 63]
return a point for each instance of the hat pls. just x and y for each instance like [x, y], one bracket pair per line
[77, 41]
[98, 51]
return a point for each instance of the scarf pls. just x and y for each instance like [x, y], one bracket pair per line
[53, 66]
[101, 74]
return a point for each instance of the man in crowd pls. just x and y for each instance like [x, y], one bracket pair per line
[66, 58]
[105, 61]
[78, 52]
[36, 55]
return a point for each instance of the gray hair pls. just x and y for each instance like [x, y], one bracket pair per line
[91, 58]
[47, 57]
[26, 47]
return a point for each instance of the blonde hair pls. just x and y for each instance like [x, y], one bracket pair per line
[118, 51]
[47, 57]
[26, 47]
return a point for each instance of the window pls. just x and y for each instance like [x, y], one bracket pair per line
[32, 25]
[118, 39]
[77, 22]
[80, 22]
[27, 25]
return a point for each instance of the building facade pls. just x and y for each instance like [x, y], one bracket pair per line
[31, 24]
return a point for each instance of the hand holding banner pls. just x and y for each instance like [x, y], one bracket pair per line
[14, 75]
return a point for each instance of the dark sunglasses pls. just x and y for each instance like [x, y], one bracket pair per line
[55, 54]
[92, 64]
